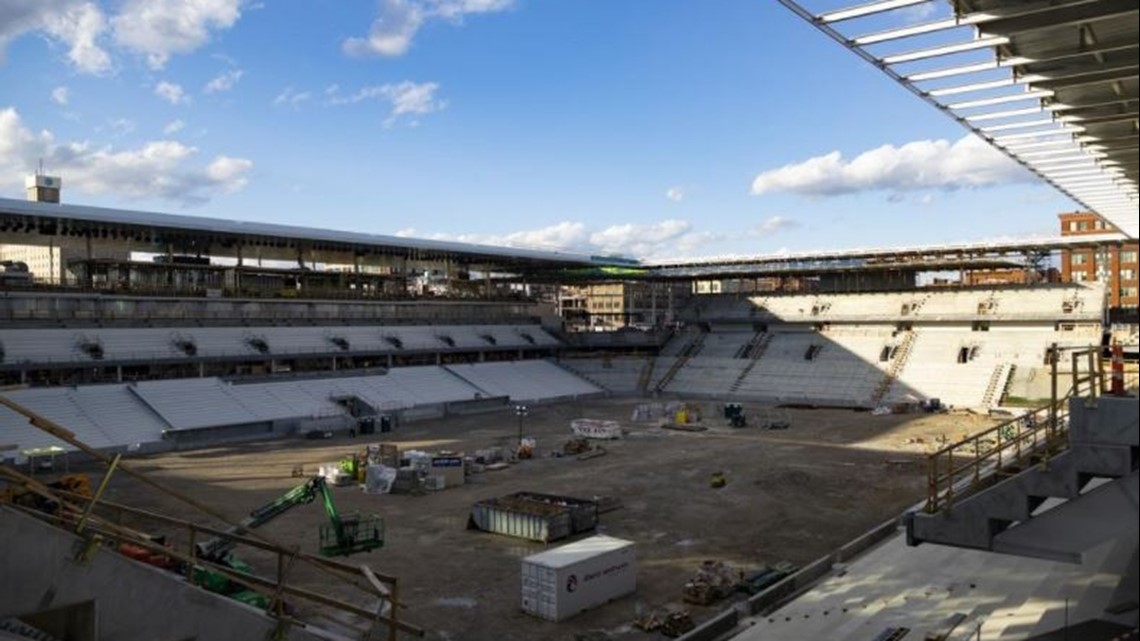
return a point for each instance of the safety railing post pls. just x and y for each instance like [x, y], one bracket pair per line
[932, 484]
[949, 478]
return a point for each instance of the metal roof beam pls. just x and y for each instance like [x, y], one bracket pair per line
[1069, 108]
[977, 86]
[1040, 122]
[1098, 120]
[1090, 78]
[1001, 100]
[907, 32]
[864, 10]
[996, 115]
[1061, 16]
[1018, 147]
[961, 70]
[1057, 55]
[945, 50]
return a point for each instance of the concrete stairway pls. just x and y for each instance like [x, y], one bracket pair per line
[895, 368]
[754, 352]
[1052, 509]
[999, 381]
[690, 350]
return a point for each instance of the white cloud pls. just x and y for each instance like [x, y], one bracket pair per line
[668, 238]
[80, 25]
[968, 162]
[171, 92]
[173, 127]
[676, 194]
[772, 225]
[159, 29]
[406, 98]
[566, 236]
[60, 95]
[158, 169]
[290, 97]
[223, 81]
[392, 32]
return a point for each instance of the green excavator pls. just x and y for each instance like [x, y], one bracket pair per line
[341, 536]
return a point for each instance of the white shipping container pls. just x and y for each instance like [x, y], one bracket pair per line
[559, 583]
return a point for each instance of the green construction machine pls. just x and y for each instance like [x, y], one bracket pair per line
[341, 536]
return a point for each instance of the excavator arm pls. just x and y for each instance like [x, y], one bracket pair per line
[216, 548]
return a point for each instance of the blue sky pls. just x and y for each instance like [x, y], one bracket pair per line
[661, 128]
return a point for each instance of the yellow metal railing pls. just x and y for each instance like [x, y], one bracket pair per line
[963, 467]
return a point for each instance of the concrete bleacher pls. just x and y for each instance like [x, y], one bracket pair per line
[707, 376]
[128, 415]
[525, 380]
[62, 345]
[996, 597]
[102, 416]
[619, 374]
[725, 344]
[845, 370]
[1047, 301]
[1006, 330]
[933, 370]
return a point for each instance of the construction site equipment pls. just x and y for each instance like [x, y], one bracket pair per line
[713, 581]
[104, 528]
[559, 583]
[757, 581]
[536, 517]
[341, 536]
[75, 483]
[734, 415]
[576, 446]
[677, 623]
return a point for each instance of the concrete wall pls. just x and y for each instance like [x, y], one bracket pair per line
[132, 601]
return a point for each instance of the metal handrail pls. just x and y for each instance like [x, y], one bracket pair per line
[962, 467]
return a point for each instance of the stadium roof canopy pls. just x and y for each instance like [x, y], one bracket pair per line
[978, 255]
[1051, 83]
[22, 221]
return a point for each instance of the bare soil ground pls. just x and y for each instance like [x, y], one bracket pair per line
[792, 495]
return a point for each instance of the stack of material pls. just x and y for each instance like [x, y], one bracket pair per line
[672, 624]
[384, 454]
[489, 456]
[712, 582]
[408, 481]
[378, 479]
[576, 446]
[449, 466]
[592, 428]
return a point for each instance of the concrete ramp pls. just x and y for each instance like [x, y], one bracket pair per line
[112, 598]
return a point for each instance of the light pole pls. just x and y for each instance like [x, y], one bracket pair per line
[520, 411]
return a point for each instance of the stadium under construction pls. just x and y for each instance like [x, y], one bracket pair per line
[934, 442]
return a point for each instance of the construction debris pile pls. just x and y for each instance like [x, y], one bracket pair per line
[713, 581]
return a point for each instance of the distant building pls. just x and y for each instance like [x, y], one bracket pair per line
[1113, 263]
[607, 306]
[1010, 276]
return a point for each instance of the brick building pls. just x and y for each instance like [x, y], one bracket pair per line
[1112, 263]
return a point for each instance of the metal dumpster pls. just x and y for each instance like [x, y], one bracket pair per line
[533, 516]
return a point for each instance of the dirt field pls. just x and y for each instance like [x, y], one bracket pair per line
[792, 495]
